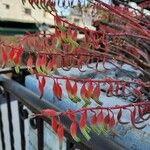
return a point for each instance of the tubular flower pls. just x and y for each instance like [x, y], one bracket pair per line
[72, 91]
[17, 59]
[57, 90]
[82, 125]
[30, 64]
[85, 95]
[60, 133]
[11, 54]
[73, 131]
[54, 124]
[96, 94]
[93, 124]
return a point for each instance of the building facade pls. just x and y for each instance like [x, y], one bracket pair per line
[14, 10]
[17, 18]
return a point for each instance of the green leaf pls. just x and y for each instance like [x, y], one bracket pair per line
[85, 134]
[44, 70]
[62, 28]
[102, 129]
[95, 129]
[73, 99]
[71, 42]
[17, 69]
[58, 43]
[39, 70]
[88, 129]
[76, 138]
[87, 102]
[77, 98]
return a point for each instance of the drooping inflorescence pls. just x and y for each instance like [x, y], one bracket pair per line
[122, 37]
[102, 119]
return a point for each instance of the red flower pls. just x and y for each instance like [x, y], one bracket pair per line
[112, 121]
[74, 35]
[72, 91]
[68, 87]
[96, 94]
[109, 91]
[93, 124]
[30, 63]
[119, 115]
[85, 95]
[83, 119]
[71, 115]
[51, 65]
[107, 119]
[54, 124]
[18, 56]
[93, 120]
[73, 131]
[57, 90]
[100, 118]
[41, 86]
[57, 20]
[133, 121]
[60, 133]
[82, 125]
[11, 53]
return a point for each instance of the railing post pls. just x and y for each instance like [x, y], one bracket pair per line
[8, 101]
[70, 145]
[21, 123]
[1, 131]
[1, 122]
[40, 131]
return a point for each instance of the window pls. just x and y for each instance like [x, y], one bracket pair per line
[27, 11]
[7, 6]
[76, 20]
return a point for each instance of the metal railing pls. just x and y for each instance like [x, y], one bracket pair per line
[10, 88]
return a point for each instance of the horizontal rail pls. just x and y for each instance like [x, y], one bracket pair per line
[32, 101]
[10, 69]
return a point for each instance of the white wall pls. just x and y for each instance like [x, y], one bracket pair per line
[16, 12]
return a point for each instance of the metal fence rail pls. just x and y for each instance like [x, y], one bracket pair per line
[27, 98]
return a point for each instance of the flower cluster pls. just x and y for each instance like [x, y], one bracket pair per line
[102, 119]
[122, 37]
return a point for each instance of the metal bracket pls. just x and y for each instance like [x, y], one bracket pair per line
[33, 122]
[1, 88]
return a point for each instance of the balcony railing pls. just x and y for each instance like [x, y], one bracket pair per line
[13, 87]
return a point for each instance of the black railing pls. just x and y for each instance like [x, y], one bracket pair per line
[10, 88]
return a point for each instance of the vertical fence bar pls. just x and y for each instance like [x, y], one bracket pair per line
[22, 128]
[8, 101]
[1, 131]
[40, 130]
[70, 145]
